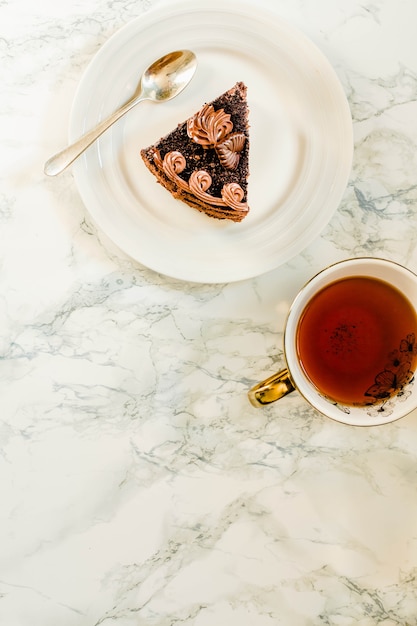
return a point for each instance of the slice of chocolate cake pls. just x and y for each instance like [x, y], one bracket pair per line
[205, 161]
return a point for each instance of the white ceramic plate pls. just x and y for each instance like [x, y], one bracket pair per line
[300, 152]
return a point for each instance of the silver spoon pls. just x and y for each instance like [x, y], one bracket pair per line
[163, 80]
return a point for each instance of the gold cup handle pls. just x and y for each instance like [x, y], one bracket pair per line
[273, 388]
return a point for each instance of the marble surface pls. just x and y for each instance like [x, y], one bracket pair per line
[137, 484]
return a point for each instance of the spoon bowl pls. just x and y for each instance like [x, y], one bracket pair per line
[168, 76]
[161, 81]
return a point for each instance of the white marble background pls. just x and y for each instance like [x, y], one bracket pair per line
[137, 484]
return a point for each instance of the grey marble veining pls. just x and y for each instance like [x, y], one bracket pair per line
[138, 486]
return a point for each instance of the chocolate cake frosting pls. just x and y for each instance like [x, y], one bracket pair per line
[205, 161]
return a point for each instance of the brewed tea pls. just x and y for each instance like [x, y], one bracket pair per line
[357, 341]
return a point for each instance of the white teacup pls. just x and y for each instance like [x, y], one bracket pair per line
[350, 344]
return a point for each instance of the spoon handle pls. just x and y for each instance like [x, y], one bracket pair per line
[60, 161]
